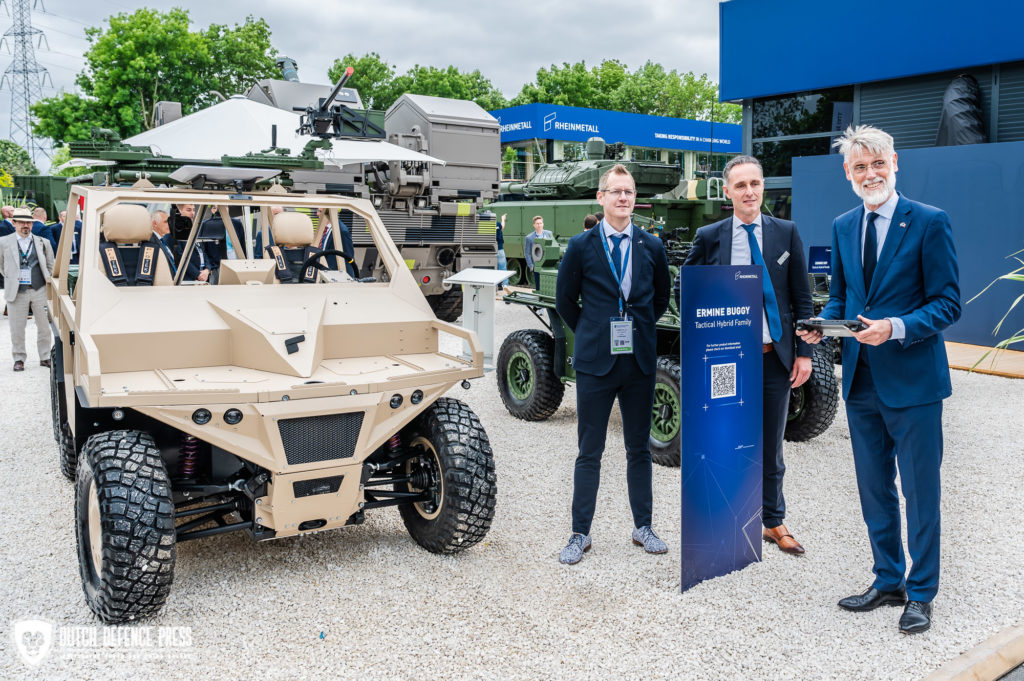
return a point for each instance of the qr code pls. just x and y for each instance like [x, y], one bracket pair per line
[723, 380]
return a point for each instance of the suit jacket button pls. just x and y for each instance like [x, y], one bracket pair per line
[867, 308]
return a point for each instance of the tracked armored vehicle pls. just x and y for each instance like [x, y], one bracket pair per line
[286, 399]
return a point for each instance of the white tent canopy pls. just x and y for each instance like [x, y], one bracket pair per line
[239, 125]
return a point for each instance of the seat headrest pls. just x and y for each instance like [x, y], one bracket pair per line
[292, 229]
[127, 223]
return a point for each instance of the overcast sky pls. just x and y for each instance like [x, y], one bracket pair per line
[506, 41]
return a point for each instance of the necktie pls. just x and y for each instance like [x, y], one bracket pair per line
[617, 253]
[870, 250]
[771, 305]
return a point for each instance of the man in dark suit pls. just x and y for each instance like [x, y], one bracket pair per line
[232, 246]
[622, 275]
[748, 237]
[894, 268]
[162, 237]
[6, 226]
[58, 229]
[198, 267]
[40, 228]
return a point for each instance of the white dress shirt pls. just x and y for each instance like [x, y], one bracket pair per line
[741, 255]
[627, 264]
[882, 223]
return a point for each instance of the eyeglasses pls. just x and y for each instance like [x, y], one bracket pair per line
[616, 193]
[862, 168]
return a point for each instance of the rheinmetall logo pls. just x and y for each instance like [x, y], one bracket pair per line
[551, 121]
[518, 125]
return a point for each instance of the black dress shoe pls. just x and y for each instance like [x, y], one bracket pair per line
[917, 617]
[873, 598]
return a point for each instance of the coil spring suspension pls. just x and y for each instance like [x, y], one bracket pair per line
[395, 443]
[189, 451]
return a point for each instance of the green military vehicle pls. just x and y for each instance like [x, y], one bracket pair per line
[563, 194]
[533, 366]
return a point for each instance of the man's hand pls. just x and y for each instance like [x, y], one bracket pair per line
[203, 275]
[878, 331]
[504, 217]
[809, 336]
[801, 371]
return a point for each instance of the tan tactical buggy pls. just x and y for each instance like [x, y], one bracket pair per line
[287, 398]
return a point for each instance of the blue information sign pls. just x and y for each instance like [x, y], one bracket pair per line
[720, 318]
[820, 260]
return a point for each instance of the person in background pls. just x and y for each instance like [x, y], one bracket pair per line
[589, 222]
[499, 236]
[538, 232]
[162, 237]
[40, 228]
[26, 261]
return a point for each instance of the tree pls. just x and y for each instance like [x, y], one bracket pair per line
[148, 56]
[61, 156]
[649, 90]
[371, 77]
[379, 87]
[15, 160]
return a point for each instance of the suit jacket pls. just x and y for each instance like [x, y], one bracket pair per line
[10, 262]
[166, 244]
[6, 227]
[219, 251]
[917, 279]
[528, 245]
[43, 230]
[585, 272]
[713, 246]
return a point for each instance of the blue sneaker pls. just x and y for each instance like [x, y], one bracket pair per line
[645, 537]
[574, 550]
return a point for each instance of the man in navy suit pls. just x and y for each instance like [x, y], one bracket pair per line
[894, 268]
[621, 273]
[58, 228]
[748, 237]
[40, 228]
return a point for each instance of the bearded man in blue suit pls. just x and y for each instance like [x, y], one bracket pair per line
[894, 268]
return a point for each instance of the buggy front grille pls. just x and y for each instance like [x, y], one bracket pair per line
[312, 439]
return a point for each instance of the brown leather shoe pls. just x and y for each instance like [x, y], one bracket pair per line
[19, 366]
[44, 363]
[785, 541]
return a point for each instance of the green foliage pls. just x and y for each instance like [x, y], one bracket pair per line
[509, 157]
[61, 156]
[15, 160]
[379, 87]
[650, 89]
[6, 180]
[1017, 337]
[148, 56]
[371, 77]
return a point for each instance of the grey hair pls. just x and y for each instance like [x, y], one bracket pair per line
[158, 211]
[867, 138]
[740, 160]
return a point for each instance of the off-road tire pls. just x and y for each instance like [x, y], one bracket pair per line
[461, 452]
[123, 489]
[61, 428]
[812, 406]
[518, 267]
[526, 375]
[447, 306]
[667, 414]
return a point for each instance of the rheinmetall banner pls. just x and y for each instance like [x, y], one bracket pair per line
[720, 318]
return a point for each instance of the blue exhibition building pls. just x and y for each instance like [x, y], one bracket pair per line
[539, 132]
[828, 65]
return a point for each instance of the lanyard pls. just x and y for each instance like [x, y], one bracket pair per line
[25, 254]
[625, 259]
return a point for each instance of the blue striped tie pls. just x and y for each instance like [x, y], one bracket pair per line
[771, 305]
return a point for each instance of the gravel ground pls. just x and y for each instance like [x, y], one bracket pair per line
[367, 602]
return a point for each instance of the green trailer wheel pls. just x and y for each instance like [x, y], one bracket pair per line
[667, 414]
[527, 382]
